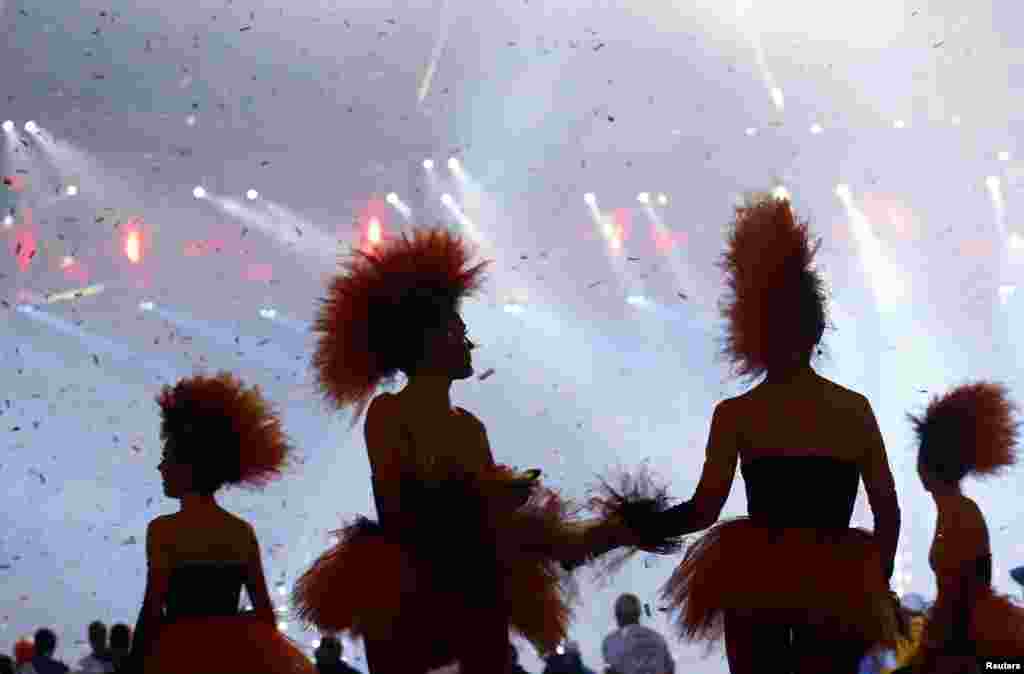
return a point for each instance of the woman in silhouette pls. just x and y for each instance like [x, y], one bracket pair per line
[969, 431]
[456, 532]
[215, 433]
[819, 597]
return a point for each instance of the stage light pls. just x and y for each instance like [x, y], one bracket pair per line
[751, 131]
[268, 313]
[843, 191]
[8, 220]
[777, 97]
[1004, 156]
[899, 124]
[453, 164]
[391, 198]
[643, 198]
[8, 126]
[199, 193]
[782, 194]
[428, 164]
[816, 129]
[146, 306]
[133, 247]
[71, 190]
[590, 199]
[252, 195]
[992, 182]
[31, 127]
[663, 199]
[447, 200]
[374, 232]
[191, 120]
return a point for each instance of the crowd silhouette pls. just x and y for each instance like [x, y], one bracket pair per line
[498, 548]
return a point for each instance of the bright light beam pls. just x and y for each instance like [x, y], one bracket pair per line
[435, 55]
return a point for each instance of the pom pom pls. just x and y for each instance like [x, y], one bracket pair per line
[242, 437]
[777, 308]
[372, 322]
[970, 430]
[635, 500]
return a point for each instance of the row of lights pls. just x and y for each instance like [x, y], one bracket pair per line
[590, 199]
[453, 164]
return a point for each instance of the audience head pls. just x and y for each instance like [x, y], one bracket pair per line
[46, 642]
[627, 610]
[120, 639]
[329, 650]
[98, 636]
[6, 665]
[24, 651]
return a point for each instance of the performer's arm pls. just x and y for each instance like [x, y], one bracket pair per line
[715, 481]
[256, 582]
[385, 444]
[157, 579]
[881, 489]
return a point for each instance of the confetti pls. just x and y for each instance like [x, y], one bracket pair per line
[486, 374]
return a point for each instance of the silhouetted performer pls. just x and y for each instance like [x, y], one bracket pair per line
[215, 433]
[791, 586]
[969, 431]
[455, 530]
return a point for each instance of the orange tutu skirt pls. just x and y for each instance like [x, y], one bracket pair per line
[380, 584]
[225, 645]
[806, 576]
[996, 630]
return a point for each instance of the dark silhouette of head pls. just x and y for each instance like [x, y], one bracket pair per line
[98, 637]
[627, 610]
[329, 651]
[46, 642]
[6, 664]
[120, 640]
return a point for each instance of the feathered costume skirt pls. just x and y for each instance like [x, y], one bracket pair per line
[460, 557]
[995, 629]
[797, 576]
[240, 644]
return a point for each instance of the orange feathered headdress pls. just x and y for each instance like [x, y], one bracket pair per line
[239, 429]
[777, 307]
[372, 322]
[970, 430]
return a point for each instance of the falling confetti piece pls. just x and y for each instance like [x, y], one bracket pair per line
[244, 28]
[595, 284]
[95, 359]
[486, 374]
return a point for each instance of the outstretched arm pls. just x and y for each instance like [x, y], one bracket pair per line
[256, 582]
[715, 480]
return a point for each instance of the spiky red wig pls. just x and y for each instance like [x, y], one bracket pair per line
[777, 308]
[373, 321]
[229, 433]
[970, 430]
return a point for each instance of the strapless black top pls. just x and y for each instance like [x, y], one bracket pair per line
[801, 491]
[206, 589]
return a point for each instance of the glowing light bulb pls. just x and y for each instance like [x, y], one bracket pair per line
[199, 193]
[1004, 156]
[453, 164]
[590, 199]
[643, 198]
[31, 127]
[900, 124]
[781, 193]
[391, 198]
[816, 129]
[428, 164]
[191, 120]
[663, 199]
[8, 126]
[751, 131]
[843, 191]
[71, 190]
[447, 200]
[252, 195]
[992, 182]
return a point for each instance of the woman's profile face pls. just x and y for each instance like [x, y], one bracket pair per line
[448, 351]
[177, 477]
